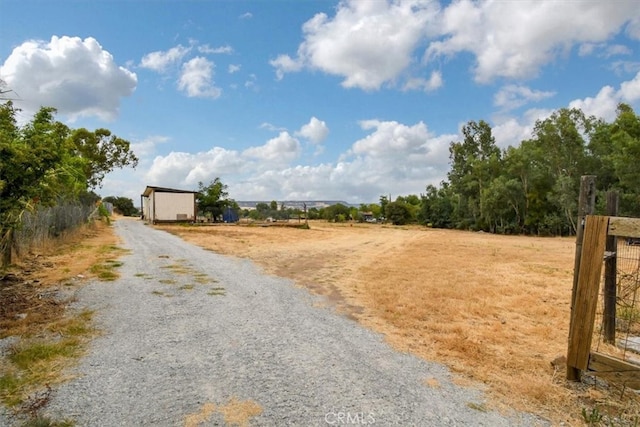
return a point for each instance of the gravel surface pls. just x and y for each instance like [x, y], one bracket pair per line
[190, 336]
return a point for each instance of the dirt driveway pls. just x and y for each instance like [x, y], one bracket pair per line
[190, 337]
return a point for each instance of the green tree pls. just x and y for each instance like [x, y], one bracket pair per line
[41, 163]
[436, 208]
[398, 213]
[103, 151]
[337, 213]
[212, 199]
[122, 205]
[475, 162]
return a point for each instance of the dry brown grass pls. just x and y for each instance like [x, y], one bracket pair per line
[495, 309]
[33, 311]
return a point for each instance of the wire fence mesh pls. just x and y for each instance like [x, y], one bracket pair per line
[625, 345]
[37, 228]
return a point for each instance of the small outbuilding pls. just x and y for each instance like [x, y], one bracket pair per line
[160, 204]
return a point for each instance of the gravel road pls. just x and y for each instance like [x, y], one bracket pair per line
[195, 338]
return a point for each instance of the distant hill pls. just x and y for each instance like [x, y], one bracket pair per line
[251, 204]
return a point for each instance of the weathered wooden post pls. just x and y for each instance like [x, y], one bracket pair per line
[583, 313]
[610, 279]
[586, 206]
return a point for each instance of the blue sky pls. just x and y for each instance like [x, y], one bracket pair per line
[313, 100]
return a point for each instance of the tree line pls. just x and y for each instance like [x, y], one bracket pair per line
[45, 162]
[533, 188]
[529, 189]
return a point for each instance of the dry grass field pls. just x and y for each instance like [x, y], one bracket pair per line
[495, 309]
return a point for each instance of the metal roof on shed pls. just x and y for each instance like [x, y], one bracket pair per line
[150, 189]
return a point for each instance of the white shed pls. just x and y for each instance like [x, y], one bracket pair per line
[161, 204]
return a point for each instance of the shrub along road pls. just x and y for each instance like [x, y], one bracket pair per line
[191, 338]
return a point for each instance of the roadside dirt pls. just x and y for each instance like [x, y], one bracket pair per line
[28, 290]
[495, 309]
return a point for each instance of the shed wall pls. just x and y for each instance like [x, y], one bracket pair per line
[173, 206]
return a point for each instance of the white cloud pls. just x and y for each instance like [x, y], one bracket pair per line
[603, 105]
[633, 28]
[625, 67]
[147, 146]
[185, 170]
[76, 76]
[427, 85]
[246, 15]
[285, 64]
[234, 68]
[369, 43]
[603, 50]
[510, 97]
[515, 39]
[394, 157]
[315, 131]
[280, 150]
[630, 90]
[271, 127]
[161, 60]
[206, 49]
[196, 79]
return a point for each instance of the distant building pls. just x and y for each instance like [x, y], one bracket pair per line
[161, 204]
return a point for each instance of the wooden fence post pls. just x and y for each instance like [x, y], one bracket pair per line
[584, 310]
[586, 206]
[610, 279]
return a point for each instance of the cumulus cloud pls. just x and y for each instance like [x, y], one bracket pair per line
[368, 43]
[374, 43]
[185, 170]
[515, 39]
[233, 68]
[160, 61]
[196, 79]
[147, 146]
[630, 90]
[277, 151]
[315, 131]
[246, 15]
[76, 76]
[392, 157]
[511, 97]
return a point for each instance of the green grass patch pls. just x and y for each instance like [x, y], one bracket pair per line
[177, 268]
[187, 287]
[32, 366]
[167, 281]
[114, 263]
[105, 272]
[25, 357]
[76, 326]
[47, 422]
[105, 249]
[10, 386]
[217, 291]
